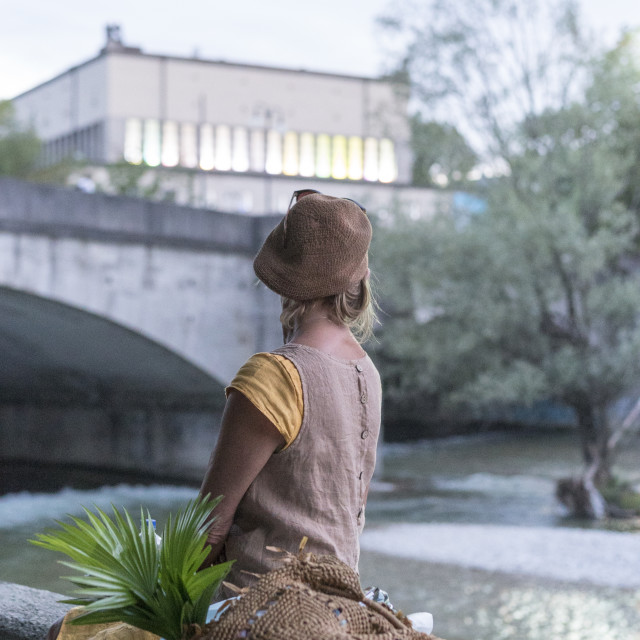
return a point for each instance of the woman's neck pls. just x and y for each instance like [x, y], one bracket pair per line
[316, 329]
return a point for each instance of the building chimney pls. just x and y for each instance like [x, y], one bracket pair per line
[114, 41]
[113, 35]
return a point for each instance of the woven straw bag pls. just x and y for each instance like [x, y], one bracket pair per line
[309, 598]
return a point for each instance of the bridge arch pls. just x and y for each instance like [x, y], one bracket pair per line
[54, 352]
[77, 389]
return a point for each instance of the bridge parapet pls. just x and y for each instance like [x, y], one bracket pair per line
[61, 212]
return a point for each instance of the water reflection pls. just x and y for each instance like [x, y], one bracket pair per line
[540, 613]
[470, 604]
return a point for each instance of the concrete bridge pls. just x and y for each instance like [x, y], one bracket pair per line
[121, 320]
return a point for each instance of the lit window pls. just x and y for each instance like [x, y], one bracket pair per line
[206, 147]
[388, 169]
[273, 163]
[339, 158]
[323, 156]
[257, 152]
[151, 143]
[371, 159]
[307, 164]
[169, 144]
[290, 162]
[240, 159]
[133, 141]
[355, 158]
[188, 146]
[223, 148]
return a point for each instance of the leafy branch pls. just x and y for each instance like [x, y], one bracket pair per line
[126, 577]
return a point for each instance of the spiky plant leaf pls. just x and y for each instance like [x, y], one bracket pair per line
[125, 578]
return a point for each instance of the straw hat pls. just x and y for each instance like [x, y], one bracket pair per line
[318, 249]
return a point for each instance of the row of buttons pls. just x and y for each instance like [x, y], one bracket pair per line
[363, 399]
[363, 395]
[365, 434]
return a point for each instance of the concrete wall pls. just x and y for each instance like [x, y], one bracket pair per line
[192, 90]
[27, 614]
[29, 208]
[148, 441]
[73, 100]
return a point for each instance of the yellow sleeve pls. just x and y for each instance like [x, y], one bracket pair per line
[272, 384]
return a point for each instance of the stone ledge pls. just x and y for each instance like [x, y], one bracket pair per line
[26, 613]
[40, 209]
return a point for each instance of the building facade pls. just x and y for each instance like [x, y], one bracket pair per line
[224, 135]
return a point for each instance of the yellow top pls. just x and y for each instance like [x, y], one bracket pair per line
[272, 384]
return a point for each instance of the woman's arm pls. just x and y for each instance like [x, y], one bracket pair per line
[247, 440]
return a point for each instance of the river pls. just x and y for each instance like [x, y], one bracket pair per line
[466, 528]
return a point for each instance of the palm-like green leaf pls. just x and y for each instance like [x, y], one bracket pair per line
[125, 577]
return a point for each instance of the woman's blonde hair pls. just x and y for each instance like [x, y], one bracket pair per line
[355, 308]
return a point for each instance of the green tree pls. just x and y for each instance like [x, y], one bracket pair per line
[539, 297]
[126, 179]
[439, 151]
[19, 146]
[619, 69]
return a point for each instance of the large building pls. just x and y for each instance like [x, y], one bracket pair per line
[228, 136]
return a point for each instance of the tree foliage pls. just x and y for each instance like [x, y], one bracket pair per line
[441, 155]
[538, 298]
[134, 180]
[485, 65]
[19, 146]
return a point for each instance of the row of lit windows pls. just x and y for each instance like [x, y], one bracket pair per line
[226, 148]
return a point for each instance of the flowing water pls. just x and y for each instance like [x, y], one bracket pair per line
[467, 529]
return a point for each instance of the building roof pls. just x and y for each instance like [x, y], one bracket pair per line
[118, 48]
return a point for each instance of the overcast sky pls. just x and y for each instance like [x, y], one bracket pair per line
[41, 38]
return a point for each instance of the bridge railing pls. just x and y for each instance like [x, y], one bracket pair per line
[27, 207]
